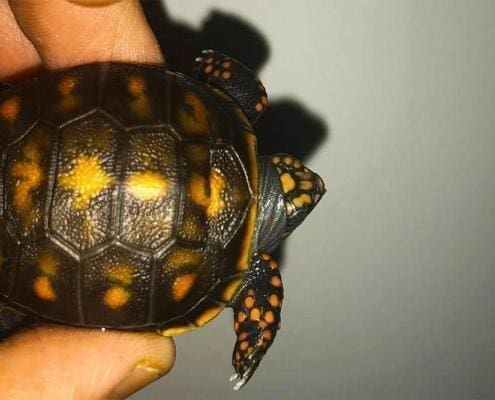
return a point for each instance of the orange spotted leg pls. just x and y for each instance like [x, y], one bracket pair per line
[257, 316]
[235, 79]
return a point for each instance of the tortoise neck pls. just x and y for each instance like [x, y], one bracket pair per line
[272, 217]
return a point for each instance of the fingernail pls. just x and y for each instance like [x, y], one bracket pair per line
[94, 2]
[141, 375]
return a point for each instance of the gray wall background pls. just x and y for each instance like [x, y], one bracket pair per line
[390, 284]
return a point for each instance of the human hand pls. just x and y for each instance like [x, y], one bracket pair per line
[56, 362]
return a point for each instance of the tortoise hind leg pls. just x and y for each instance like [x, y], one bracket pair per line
[11, 320]
[257, 316]
[235, 79]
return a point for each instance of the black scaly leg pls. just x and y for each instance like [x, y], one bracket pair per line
[257, 316]
[235, 79]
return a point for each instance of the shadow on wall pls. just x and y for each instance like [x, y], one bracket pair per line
[287, 126]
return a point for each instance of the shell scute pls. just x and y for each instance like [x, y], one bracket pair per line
[69, 94]
[81, 210]
[150, 189]
[136, 96]
[46, 281]
[115, 287]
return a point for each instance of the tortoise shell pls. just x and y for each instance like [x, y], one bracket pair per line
[128, 198]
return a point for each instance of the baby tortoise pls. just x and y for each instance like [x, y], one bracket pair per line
[133, 198]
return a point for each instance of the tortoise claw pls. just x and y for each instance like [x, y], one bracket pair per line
[240, 384]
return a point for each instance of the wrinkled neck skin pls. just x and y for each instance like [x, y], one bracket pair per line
[272, 218]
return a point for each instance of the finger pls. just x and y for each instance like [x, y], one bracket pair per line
[69, 33]
[17, 53]
[53, 362]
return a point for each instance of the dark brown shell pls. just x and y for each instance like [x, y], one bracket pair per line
[127, 197]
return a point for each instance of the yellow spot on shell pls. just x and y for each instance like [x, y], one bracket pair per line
[208, 315]
[86, 180]
[140, 106]
[288, 183]
[29, 177]
[9, 109]
[302, 199]
[48, 264]
[116, 297]
[181, 256]
[147, 185]
[66, 88]
[136, 85]
[208, 194]
[43, 288]
[194, 117]
[230, 289]
[120, 273]
[67, 85]
[177, 330]
[182, 286]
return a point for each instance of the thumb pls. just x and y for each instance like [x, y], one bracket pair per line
[55, 362]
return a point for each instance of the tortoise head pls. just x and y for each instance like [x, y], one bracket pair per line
[302, 189]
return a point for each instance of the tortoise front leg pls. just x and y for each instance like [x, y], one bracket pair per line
[257, 316]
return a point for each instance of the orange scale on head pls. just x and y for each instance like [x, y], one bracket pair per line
[242, 336]
[250, 292]
[273, 264]
[244, 345]
[216, 74]
[226, 75]
[208, 69]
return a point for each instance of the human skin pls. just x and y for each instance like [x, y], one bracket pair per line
[49, 361]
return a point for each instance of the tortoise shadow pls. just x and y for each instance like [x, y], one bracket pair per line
[287, 126]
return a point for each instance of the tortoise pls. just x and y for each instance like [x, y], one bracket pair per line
[133, 198]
